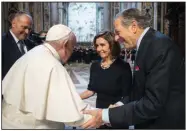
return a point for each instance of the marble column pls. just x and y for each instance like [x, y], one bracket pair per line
[129, 5]
[54, 14]
[20, 6]
[46, 15]
[166, 21]
[139, 6]
[181, 32]
[99, 16]
[106, 18]
[66, 6]
[26, 6]
[123, 6]
[60, 12]
[38, 16]
[5, 23]
[162, 18]
[63, 12]
[134, 5]
[155, 16]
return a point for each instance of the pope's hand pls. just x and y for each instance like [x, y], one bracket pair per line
[96, 120]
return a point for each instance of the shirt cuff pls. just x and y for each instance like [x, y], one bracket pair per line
[105, 116]
[119, 103]
[131, 127]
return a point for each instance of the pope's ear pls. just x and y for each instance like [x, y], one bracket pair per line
[64, 43]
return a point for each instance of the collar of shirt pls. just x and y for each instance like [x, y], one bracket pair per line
[140, 38]
[15, 38]
[52, 50]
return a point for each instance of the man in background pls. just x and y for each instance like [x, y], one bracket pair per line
[14, 42]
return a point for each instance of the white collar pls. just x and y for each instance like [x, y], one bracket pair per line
[15, 38]
[140, 38]
[52, 50]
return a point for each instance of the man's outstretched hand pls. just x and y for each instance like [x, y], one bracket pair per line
[96, 120]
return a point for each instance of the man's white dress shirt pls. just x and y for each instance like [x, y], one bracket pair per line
[18, 43]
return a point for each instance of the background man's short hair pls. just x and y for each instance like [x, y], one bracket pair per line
[17, 13]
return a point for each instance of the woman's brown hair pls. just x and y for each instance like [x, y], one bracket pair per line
[110, 38]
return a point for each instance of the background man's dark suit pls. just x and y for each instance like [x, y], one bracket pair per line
[158, 94]
[11, 52]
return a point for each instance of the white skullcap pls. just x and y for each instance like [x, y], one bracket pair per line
[57, 32]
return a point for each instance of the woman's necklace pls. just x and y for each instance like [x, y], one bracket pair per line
[106, 66]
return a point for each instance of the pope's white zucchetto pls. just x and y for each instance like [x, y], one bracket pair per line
[57, 32]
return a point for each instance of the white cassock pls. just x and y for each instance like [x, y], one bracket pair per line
[39, 93]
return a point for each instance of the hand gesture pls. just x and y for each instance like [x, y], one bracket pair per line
[96, 120]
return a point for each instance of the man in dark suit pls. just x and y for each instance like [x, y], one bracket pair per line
[157, 100]
[15, 42]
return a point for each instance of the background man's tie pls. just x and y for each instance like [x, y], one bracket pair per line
[21, 45]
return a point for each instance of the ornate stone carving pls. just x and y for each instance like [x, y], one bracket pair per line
[46, 15]
[147, 8]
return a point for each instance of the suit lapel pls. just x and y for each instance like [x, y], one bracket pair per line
[143, 48]
[140, 65]
[13, 44]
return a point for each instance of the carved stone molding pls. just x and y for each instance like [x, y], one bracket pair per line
[46, 15]
[148, 9]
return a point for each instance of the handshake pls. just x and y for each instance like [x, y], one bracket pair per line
[96, 121]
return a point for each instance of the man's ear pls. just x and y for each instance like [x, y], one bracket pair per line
[64, 44]
[13, 23]
[134, 26]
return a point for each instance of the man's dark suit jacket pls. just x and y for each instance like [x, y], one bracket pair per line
[11, 52]
[157, 100]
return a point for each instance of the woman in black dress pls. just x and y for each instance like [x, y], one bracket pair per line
[110, 78]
